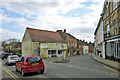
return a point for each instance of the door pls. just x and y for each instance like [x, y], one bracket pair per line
[20, 64]
[118, 50]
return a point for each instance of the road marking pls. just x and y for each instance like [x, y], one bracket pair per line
[111, 69]
[70, 66]
[9, 72]
[12, 73]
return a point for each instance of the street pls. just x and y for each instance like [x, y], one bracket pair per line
[82, 66]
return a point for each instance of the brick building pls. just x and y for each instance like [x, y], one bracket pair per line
[71, 42]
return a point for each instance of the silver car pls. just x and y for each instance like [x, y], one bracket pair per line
[11, 59]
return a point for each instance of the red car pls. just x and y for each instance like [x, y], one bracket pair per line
[27, 64]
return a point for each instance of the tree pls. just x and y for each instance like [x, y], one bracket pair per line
[3, 44]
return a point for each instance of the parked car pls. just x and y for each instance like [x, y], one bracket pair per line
[27, 64]
[5, 55]
[11, 59]
[2, 55]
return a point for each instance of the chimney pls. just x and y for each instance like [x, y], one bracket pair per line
[59, 31]
[83, 40]
[64, 30]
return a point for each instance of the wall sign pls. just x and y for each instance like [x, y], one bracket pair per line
[43, 46]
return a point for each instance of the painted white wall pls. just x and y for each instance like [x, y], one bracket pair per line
[100, 32]
[101, 42]
[85, 49]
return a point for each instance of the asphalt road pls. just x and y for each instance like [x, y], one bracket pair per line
[82, 66]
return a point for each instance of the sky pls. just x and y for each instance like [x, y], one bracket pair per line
[78, 17]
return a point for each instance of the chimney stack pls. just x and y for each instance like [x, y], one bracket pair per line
[64, 30]
[83, 40]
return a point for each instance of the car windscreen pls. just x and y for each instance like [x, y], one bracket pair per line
[33, 59]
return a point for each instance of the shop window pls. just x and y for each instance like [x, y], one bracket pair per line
[51, 52]
[59, 51]
[57, 44]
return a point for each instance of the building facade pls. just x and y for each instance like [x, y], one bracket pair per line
[91, 48]
[111, 27]
[71, 42]
[99, 39]
[44, 43]
[79, 47]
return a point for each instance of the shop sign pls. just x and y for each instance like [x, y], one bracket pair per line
[43, 46]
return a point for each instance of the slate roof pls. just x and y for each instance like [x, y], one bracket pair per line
[44, 36]
[80, 42]
[68, 35]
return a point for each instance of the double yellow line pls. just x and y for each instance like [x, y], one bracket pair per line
[15, 77]
[111, 69]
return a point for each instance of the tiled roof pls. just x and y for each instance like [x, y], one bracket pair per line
[45, 36]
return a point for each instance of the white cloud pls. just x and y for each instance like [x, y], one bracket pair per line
[48, 18]
[6, 34]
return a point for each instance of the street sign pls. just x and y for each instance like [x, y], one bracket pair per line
[62, 50]
[59, 58]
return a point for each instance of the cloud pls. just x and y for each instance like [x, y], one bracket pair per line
[47, 16]
[6, 34]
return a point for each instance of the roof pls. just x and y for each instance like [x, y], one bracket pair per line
[45, 36]
[68, 35]
[80, 42]
[98, 25]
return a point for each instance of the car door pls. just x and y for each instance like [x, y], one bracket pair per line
[21, 62]
[18, 64]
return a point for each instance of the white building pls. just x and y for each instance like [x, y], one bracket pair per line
[99, 39]
[85, 49]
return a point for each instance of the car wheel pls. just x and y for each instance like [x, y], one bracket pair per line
[8, 64]
[41, 71]
[16, 69]
[22, 71]
[5, 61]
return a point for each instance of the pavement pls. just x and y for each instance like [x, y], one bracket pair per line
[113, 64]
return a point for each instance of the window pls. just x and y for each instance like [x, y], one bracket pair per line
[59, 51]
[57, 44]
[79, 46]
[115, 23]
[108, 30]
[107, 9]
[51, 52]
[68, 51]
[114, 5]
[106, 12]
[68, 43]
[73, 43]
[22, 59]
